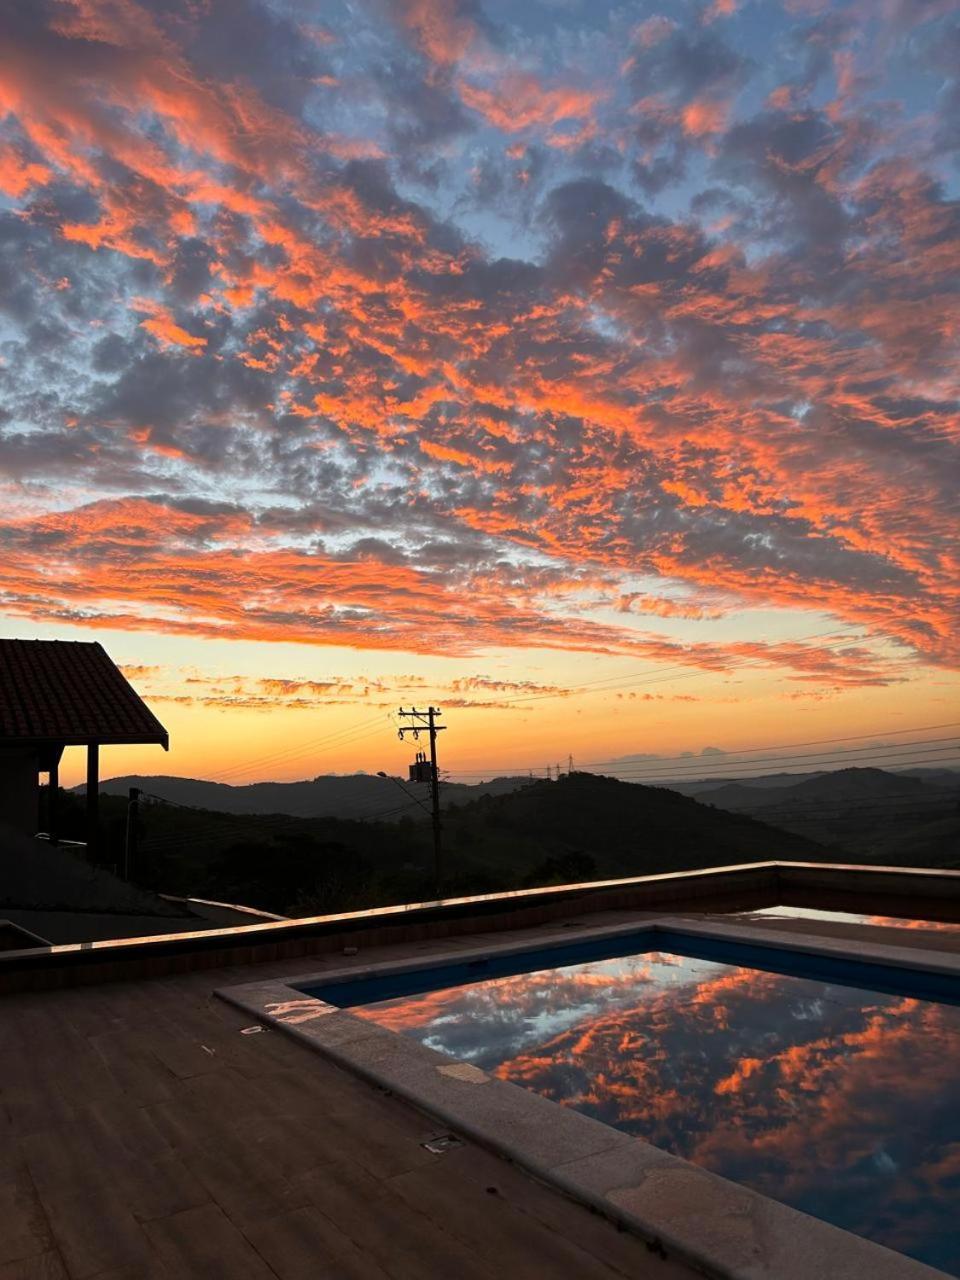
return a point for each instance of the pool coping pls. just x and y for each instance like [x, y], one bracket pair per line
[719, 1227]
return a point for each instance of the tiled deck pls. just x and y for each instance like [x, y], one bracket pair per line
[142, 1136]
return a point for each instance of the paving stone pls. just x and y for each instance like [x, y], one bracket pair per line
[24, 1231]
[304, 1244]
[713, 1222]
[41, 1266]
[204, 1244]
[95, 1231]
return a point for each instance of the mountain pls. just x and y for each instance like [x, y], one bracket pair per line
[928, 844]
[944, 776]
[622, 828]
[848, 786]
[700, 786]
[581, 827]
[862, 813]
[766, 781]
[360, 795]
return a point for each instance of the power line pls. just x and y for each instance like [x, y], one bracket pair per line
[656, 675]
[339, 738]
[853, 757]
[814, 742]
[704, 763]
[289, 754]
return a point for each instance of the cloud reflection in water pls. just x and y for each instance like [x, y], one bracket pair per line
[842, 1102]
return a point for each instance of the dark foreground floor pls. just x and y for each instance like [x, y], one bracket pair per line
[142, 1136]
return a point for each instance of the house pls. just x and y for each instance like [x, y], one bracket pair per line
[56, 694]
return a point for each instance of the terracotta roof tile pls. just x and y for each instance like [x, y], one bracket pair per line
[69, 691]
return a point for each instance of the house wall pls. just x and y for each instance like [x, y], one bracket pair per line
[19, 789]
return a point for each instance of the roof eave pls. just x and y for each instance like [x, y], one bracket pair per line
[73, 740]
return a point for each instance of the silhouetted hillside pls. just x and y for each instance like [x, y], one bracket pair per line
[930, 843]
[864, 813]
[624, 828]
[701, 787]
[359, 795]
[580, 827]
[844, 786]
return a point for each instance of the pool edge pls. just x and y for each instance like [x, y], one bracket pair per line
[718, 1227]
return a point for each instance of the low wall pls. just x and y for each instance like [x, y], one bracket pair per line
[932, 893]
[743, 886]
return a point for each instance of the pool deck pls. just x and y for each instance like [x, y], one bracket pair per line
[142, 1136]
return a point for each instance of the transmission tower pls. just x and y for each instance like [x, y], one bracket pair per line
[426, 722]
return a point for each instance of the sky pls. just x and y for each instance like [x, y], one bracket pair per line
[590, 370]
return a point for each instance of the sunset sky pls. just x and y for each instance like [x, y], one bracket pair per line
[590, 369]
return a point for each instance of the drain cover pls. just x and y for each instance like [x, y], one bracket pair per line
[445, 1142]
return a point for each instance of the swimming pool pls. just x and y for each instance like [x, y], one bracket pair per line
[847, 917]
[829, 1085]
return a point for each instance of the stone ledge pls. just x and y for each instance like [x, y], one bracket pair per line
[719, 1227]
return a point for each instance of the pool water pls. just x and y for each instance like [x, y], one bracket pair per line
[841, 1100]
[847, 917]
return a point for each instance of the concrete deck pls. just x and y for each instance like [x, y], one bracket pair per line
[142, 1136]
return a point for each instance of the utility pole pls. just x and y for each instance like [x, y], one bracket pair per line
[420, 721]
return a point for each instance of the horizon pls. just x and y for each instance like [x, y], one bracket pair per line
[588, 371]
[743, 775]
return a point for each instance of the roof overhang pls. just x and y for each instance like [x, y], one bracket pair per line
[106, 740]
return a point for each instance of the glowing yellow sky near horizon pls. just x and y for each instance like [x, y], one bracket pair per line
[639, 708]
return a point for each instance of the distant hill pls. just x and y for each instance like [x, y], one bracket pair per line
[362, 796]
[623, 828]
[945, 777]
[581, 827]
[766, 781]
[934, 843]
[863, 813]
[700, 786]
[849, 786]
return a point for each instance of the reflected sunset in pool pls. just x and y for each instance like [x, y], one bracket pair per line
[839, 1101]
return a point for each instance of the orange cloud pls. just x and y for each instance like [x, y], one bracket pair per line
[705, 116]
[441, 28]
[163, 327]
[18, 176]
[519, 101]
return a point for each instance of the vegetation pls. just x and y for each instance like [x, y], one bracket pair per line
[581, 827]
[862, 813]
